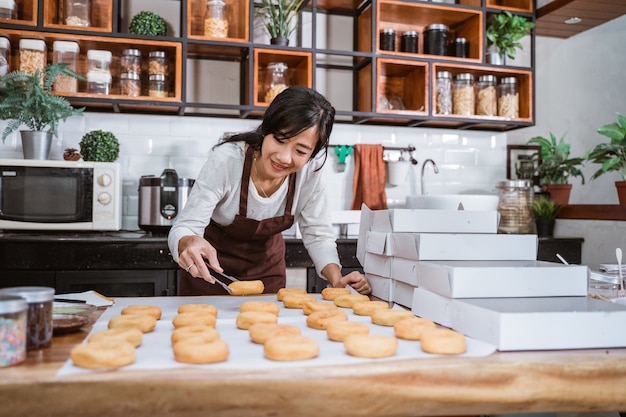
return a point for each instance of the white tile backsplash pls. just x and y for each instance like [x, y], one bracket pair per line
[469, 162]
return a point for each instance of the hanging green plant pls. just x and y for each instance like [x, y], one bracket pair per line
[99, 146]
[148, 23]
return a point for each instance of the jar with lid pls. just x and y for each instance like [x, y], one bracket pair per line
[66, 52]
[99, 82]
[436, 39]
[32, 55]
[444, 92]
[99, 60]
[215, 20]
[486, 100]
[461, 48]
[5, 56]
[13, 326]
[8, 9]
[276, 80]
[157, 86]
[387, 39]
[77, 13]
[463, 96]
[39, 316]
[130, 61]
[157, 63]
[508, 98]
[130, 84]
[515, 207]
[408, 42]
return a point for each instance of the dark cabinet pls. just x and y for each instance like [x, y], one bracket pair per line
[119, 283]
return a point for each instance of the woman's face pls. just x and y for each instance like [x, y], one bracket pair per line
[281, 157]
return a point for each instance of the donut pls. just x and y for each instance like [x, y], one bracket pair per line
[296, 300]
[290, 348]
[331, 293]
[443, 341]
[338, 330]
[348, 300]
[153, 311]
[248, 318]
[131, 335]
[321, 319]
[370, 346]
[206, 332]
[198, 308]
[191, 318]
[266, 306]
[284, 291]
[260, 332]
[412, 328]
[142, 322]
[197, 350]
[390, 317]
[103, 354]
[367, 308]
[246, 287]
[310, 306]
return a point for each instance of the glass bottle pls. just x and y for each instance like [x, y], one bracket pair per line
[32, 55]
[5, 56]
[275, 80]
[66, 52]
[215, 20]
[77, 13]
[515, 207]
[444, 92]
[508, 98]
[8, 9]
[463, 96]
[486, 100]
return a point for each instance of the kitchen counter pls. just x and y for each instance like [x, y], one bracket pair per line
[510, 382]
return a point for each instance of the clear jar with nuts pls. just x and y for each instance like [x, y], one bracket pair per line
[275, 80]
[157, 86]
[32, 55]
[66, 52]
[157, 63]
[77, 13]
[215, 20]
[130, 84]
[463, 95]
[486, 100]
[130, 61]
[508, 98]
[515, 207]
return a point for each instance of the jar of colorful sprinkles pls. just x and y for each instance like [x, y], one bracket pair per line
[13, 316]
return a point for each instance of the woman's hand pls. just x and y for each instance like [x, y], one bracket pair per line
[192, 253]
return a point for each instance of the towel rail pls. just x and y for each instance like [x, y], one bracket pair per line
[410, 149]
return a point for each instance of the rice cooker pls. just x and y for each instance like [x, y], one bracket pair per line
[161, 199]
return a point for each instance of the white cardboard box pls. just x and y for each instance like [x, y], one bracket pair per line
[529, 323]
[463, 247]
[488, 279]
[378, 243]
[378, 264]
[381, 286]
[402, 293]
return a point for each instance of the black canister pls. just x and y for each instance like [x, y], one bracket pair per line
[408, 43]
[460, 48]
[436, 39]
[388, 39]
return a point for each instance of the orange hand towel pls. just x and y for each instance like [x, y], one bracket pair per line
[369, 177]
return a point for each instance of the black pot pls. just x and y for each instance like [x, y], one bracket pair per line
[545, 228]
[279, 41]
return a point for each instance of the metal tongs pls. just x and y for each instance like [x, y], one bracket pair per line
[216, 275]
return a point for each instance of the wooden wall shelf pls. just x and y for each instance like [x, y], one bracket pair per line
[593, 212]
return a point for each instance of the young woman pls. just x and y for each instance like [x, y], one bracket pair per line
[253, 186]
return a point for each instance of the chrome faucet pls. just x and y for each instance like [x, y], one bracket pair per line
[435, 168]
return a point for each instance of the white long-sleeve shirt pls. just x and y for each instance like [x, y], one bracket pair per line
[215, 195]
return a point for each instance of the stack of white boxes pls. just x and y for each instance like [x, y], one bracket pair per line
[451, 266]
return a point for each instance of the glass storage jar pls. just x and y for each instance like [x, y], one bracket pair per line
[444, 92]
[515, 207]
[387, 39]
[130, 84]
[8, 9]
[436, 39]
[5, 56]
[32, 55]
[157, 63]
[275, 80]
[130, 61]
[463, 95]
[66, 52]
[13, 325]
[39, 317]
[486, 100]
[408, 42]
[77, 13]
[99, 82]
[157, 86]
[99, 60]
[508, 98]
[215, 20]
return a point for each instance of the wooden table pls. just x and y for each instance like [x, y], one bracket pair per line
[513, 382]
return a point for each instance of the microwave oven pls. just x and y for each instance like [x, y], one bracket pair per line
[60, 195]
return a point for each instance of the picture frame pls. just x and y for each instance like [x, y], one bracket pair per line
[518, 153]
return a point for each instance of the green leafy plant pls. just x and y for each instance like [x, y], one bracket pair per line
[545, 208]
[556, 166]
[148, 23]
[279, 16]
[27, 99]
[99, 146]
[505, 31]
[611, 155]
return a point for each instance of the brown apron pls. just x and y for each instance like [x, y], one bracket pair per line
[247, 249]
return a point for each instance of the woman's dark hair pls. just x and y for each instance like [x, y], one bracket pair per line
[293, 111]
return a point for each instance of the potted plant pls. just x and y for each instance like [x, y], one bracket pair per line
[99, 146]
[504, 32]
[27, 99]
[556, 167]
[148, 23]
[279, 18]
[612, 155]
[545, 211]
